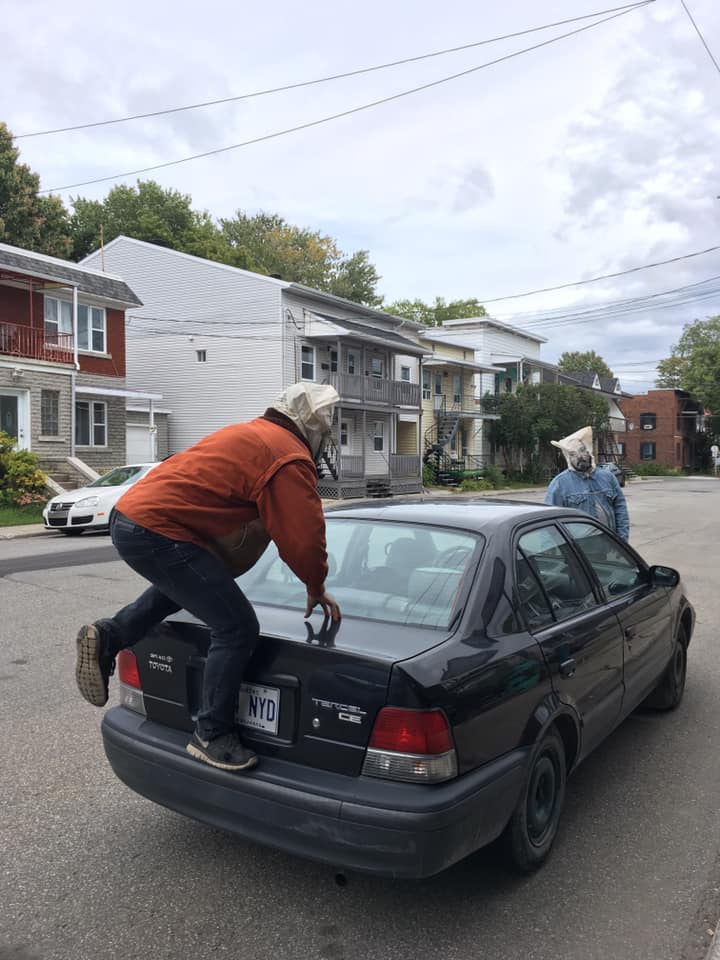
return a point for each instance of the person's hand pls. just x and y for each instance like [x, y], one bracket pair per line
[329, 606]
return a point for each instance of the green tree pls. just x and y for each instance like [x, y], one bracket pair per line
[148, 212]
[301, 255]
[535, 415]
[433, 314]
[694, 364]
[28, 220]
[586, 361]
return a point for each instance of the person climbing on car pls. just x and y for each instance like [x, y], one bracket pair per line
[198, 520]
[584, 487]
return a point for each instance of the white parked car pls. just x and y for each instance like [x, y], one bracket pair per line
[91, 507]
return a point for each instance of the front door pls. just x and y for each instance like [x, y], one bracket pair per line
[13, 417]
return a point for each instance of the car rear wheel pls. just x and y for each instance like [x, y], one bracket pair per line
[71, 531]
[669, 692]
[532, 828]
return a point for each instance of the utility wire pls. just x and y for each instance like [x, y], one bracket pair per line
[604, 276]
[702, 38]
[346, 113]
[336, 76]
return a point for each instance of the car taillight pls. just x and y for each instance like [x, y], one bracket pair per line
[131, 695]
[411, 745]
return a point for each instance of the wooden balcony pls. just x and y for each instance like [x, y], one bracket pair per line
[395, 393]
[17, 340]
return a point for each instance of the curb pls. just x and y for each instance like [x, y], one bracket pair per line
[18, 533]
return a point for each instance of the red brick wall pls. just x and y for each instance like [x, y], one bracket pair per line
[671, 446]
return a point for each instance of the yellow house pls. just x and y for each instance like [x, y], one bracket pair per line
[453, 409]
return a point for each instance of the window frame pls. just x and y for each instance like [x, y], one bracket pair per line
[57, 322]
[378, 435]
[405, 370]
[377, 367]
[621, 545]
[648, 443]
[344, 433]
[426, 385]
[92, 423]
[92, 329]
[307, 348]
[54, 395]
[351, 364]
[201, 356]
[648, 416]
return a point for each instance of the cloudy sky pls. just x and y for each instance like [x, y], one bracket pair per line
[590, 155]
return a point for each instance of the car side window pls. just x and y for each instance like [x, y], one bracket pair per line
[564, 582]
[616, 569]
[533, 601]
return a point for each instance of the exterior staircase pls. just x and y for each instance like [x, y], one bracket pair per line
[377, 487]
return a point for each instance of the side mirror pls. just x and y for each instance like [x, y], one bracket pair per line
[664, 577]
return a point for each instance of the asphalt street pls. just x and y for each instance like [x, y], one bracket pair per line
[90, 870]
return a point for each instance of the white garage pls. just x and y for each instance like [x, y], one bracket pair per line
[139, 443]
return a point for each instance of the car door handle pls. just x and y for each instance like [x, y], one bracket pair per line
[630, 633]
[567, 668]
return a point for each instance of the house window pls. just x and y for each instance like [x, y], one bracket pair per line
[50, 413]
[58, 318]
[621, 448]
[647, 451]
[307, 364]
[333, 361]
[90, 423]
[343, 434]
[405, 374]
[426, 385]
[438, 384]
[376, 367]
[379, 436]
[92, 332]
[201, 356]
[351, 361]
[457, 388]
[648, 421]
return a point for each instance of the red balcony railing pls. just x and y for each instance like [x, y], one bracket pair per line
[17, 340]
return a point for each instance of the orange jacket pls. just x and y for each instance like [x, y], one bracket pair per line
[237, 474]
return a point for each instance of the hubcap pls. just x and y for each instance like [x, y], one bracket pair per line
[541, 799]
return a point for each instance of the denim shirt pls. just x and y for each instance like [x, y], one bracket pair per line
[597, 493]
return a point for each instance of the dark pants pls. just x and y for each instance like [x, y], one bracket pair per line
[186, 577]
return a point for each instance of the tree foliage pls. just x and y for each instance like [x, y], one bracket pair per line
[28, 220]
[535, 415]
[586, 361]
[433, 314]
[694, 364]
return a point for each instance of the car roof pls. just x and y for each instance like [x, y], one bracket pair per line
[478, 514]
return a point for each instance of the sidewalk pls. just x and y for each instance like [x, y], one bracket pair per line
[24, 530]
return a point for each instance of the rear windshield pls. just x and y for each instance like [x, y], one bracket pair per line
[120, 477]
[393, 572]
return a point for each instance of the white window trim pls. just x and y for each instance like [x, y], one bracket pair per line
[379, 435]
[303, 348]
[90, 307]
[403, 370]
[345, 427]
[91, 425]
[354, 354]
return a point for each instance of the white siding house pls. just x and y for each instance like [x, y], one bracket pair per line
[221, 343]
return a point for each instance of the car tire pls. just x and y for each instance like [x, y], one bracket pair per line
[531, 831]
[670, 690]
[71, 531]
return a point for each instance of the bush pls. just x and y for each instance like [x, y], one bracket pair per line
[22, 483]
[493, 475]
[652, 469]
[429, 476]
[472, 486]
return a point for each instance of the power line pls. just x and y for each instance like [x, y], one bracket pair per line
[346, 113]
[318, 80]
[605, 276]
[702, 38]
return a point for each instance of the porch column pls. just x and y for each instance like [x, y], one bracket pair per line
[364, 439]
[152, 431]
[338, 446]
[76, 364]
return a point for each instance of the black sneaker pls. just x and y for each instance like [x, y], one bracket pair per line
[225, 752]
[95, 663]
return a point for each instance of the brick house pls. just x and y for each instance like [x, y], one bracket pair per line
[663, 428]
[62, 360]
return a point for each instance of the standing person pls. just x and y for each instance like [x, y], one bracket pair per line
[197, 521]
[584, 487]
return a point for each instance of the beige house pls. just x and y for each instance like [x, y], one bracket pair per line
[454, 413]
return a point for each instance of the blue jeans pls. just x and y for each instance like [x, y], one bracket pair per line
[186, 577]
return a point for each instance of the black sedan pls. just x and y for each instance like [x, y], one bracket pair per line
[485, 649]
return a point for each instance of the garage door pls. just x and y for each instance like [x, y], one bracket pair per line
[138, 443]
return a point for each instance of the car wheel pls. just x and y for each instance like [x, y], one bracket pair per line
[669, 692]
[71, 531]
[530, 834]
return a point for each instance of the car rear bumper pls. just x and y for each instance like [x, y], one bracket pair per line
[352, 823]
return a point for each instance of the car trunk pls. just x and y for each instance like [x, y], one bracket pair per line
[310, 695]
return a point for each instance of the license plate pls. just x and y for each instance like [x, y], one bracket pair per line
[259, 707]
